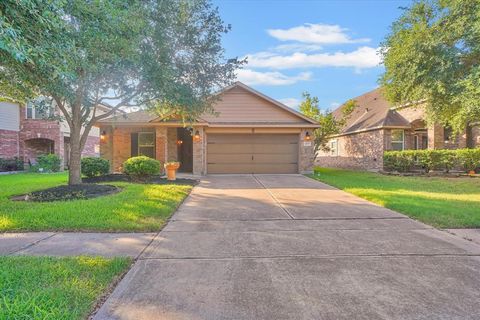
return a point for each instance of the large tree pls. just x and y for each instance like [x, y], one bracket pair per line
[432, 55]
[329, 124]
[164, 55]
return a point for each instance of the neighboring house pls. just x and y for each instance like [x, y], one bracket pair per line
[26, 133]
[376, 126]
[249, 133]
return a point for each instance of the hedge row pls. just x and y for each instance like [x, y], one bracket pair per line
[404, 161]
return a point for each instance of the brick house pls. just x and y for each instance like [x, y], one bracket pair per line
[376, 126]
[26, 133]
[249, 133]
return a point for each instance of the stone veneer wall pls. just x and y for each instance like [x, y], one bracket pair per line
[199, 153]
[306, 153]
[356, 151]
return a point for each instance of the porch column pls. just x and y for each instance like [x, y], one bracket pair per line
[199, 152]
[435, 137]
[161, 148]
[306, 152]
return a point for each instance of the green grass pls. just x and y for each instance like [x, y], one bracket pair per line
[55, 288]
[441, 202]
[138, 207]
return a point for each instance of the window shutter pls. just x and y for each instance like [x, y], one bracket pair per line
[134, 144]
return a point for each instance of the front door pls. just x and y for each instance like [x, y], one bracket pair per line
[185, 150]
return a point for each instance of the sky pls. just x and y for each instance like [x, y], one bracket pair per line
[326, 48]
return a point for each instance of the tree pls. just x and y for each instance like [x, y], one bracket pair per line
[329, 124]
[432, 55]
[162, 55]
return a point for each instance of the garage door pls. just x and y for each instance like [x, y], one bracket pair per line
[252, 153]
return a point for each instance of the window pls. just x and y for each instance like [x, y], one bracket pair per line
[334, 147]
[146, 144]
[40, 108]
[397, 140]
[448, 134]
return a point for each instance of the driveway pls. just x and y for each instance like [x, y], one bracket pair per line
[288, 247]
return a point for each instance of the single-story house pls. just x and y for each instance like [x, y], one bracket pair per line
[376, 126]
[248, 133]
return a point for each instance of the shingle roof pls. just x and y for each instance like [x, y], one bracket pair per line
[137, 116]
[373, 111]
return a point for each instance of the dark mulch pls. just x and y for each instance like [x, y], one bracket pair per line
[63, 193]
[127, 178]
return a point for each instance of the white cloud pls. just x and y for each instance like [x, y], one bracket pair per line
[274, 78]
[363, 57]
[334, 105]
[293, 47]
[291, 102]
[315, 33]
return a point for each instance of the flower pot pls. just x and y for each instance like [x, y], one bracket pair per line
[471, 172]
[172, 170]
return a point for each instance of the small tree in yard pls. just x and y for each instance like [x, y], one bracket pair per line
[329, 125]
[163, 55]
[433, 55]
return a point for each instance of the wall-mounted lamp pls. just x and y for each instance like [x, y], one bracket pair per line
[179, 142]
[103, 135]
[196, 136]
[307, 136]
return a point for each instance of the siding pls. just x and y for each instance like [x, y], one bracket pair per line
[239, 105]
[9, 116]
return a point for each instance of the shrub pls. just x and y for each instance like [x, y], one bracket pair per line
[94, 166]
[469, 158]
[13, 164]
[448, 159]
[47, 163]
[401, 161]
[141, 167]
[428, 159]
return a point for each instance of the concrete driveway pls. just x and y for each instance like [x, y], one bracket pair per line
[288, 247]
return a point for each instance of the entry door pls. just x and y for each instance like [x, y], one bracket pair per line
[252, 153]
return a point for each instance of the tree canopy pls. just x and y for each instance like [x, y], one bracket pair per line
[329, 124]
[164, 55]
[432, 55]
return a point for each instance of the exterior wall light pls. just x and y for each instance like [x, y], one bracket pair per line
[196, 136]
[103, 135]
[179, 142]
[307, 136]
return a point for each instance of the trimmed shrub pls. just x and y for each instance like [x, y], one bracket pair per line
[47, 163]
[469, 158]
[428, 159]
[401, 161]
[13, 164]
[141, 167]
[448, 159]
[94, 166]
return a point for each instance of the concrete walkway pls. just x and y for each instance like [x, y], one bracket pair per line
[288, 247]
[74, 244]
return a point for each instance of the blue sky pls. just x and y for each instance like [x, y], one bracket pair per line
[327, 48]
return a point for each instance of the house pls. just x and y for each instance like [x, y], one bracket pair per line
[248, 133]
[26, 133]
[376, 126]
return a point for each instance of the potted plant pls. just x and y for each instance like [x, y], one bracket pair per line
[172, 167]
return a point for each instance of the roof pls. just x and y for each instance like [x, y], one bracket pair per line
[292, 117]
[373, 111]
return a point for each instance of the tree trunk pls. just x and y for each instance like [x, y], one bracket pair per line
[74, 174]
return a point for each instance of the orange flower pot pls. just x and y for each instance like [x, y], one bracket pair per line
[172, 168]
[471, 172]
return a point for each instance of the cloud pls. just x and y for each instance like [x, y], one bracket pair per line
[274, 78]
[315, 33]
[291, 102]
[293, 47]
[363, 57]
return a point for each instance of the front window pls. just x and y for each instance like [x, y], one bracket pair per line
[334, 147]
[40, 108]
[397, 140]
[146, 144]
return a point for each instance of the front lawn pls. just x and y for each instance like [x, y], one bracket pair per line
[55, 288]
[441, 202]
[138, 207]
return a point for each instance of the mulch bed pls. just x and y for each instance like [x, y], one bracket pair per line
[66, 192]
[454, 174]
[127, 178]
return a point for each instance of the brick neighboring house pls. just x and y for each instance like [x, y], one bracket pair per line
[376, 126]
[250, 133]
[27, 133]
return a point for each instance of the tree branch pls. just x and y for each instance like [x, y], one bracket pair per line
[64, 110]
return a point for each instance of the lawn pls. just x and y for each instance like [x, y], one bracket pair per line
[441, 202]
[138, 207]
[55, 288]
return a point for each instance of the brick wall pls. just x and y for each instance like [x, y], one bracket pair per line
[172, 154]
[306, 153]
[475, 138]
[91, 148]
[9, 146]
[357, 151]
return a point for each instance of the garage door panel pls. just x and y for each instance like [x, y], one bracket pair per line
[252, 153]
[275, 148]
[233, 148]
[275, 158]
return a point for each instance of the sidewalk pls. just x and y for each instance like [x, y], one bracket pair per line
[74, 244]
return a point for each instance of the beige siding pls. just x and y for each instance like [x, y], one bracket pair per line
[9, 116]
[239, 105]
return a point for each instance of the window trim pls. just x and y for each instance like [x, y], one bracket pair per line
[51, 112]
[334, 151]
[397, 141]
